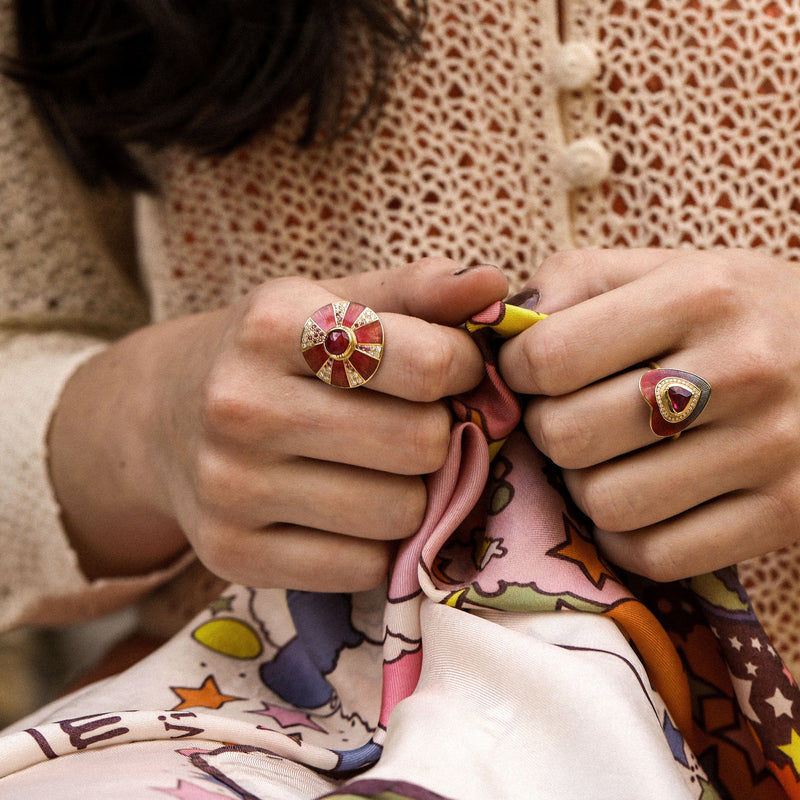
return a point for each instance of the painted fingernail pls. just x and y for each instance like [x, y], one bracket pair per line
[472, 267]
[527, 298]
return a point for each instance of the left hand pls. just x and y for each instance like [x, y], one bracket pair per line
[729, 488]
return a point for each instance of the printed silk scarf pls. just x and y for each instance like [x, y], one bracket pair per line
[507, 659]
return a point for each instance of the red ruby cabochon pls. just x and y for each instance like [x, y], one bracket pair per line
[342, 343]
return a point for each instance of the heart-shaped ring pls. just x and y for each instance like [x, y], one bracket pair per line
[676, 399]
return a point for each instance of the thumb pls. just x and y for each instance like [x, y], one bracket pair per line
[434, 289]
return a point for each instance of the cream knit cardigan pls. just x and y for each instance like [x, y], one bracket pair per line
[525, 128]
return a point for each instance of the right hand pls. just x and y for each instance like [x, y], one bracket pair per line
[217, 433]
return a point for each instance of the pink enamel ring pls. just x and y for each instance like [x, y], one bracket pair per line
[676, 399]
[342, 342]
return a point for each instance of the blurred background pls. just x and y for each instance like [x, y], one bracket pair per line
[38, 665]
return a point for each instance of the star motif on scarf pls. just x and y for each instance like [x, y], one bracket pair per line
[675, 741]
[743, 689]
[286, 717]
[792, 750]
[207, 695]
[781, 704]
[222, 604]
[583, 552]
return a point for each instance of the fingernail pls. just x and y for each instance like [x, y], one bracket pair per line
[527, 298]
[472, 267]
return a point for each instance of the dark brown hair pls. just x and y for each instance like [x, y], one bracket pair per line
[106, 74]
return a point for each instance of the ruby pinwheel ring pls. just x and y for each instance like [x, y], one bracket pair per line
[342, 342]
[676, 399]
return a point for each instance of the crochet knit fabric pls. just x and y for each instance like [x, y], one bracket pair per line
[525, 127]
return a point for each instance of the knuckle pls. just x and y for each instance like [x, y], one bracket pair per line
[214, 482]
[716, 284]
[433, 364]
[760, 366]
[224, 409]
[560, 435]
[605, 501]
[214, 550]
[780, 440]
[430, 441]
[356, 566]
[416, 271]
[227, 488]
[264, 318]
[780, 503]
[659, 562]
[549, 357]
[404, 518]
[573, 260]
[417, 506]
[373, 567]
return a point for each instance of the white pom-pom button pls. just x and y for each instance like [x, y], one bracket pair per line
[585, 163]
[575, 65]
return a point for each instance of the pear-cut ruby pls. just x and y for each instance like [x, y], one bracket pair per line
[679, 398]
[337, 341]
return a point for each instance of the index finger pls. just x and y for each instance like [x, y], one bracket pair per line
[630, 323]
[419, 360]
[423, 361]
[569, 277]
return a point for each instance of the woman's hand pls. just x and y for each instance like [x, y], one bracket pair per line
[729, 487]
[212, 429]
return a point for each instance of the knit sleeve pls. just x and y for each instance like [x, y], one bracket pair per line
[40, 578]
[67, 288]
